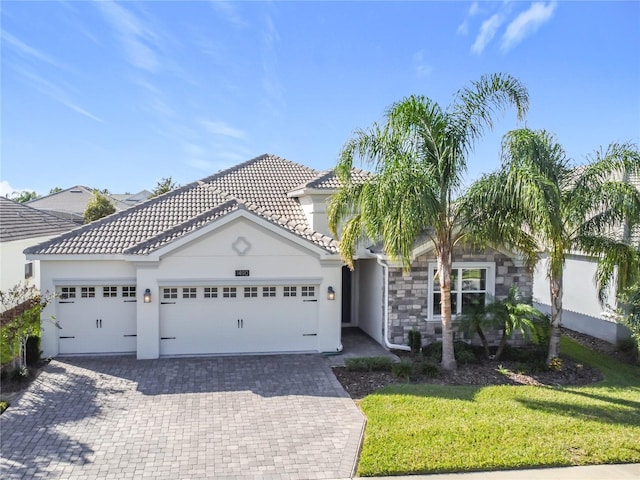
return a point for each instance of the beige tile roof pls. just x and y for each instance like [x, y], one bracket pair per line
[327, 180]
[19, 221]
[259, 186]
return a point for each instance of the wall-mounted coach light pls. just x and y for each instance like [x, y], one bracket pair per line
[331, 294]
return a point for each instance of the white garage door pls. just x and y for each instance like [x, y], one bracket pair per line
[238, 319]
[97, 319]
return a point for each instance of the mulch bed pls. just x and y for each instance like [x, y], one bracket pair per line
[361, 384]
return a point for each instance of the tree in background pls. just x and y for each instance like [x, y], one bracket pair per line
[24, 196]
[419, 159]
[163, 186]
[55, 190]
[98, 207]
[539, 202]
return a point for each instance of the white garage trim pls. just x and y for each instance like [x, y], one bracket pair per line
[240, 281]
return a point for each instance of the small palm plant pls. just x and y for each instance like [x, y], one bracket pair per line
[514, 314]
[476, 320]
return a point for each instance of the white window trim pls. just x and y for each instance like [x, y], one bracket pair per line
[491, 284]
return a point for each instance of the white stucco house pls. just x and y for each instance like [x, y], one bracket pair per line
[21, 227]
[581, 309]
[240, 262]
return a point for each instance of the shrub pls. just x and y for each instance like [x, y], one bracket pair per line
[415, 341]
[555, 364]
[627, 346]
[3, 407]
[463, 352]
[464, 356]
[368, 364]
[428, 369]
[402, 369]
[20, 373]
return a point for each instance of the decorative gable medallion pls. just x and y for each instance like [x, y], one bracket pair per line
[241, 246]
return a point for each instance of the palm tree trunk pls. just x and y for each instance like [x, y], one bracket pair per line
[483, 339]
[503, 343]
[444, 274]
[555, 284]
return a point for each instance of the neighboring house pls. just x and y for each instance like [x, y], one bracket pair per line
[20, 227]
[71, 203]
[581, 310]
[130, 200]
[240, 262]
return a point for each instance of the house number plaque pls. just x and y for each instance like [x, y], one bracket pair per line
[242, 273]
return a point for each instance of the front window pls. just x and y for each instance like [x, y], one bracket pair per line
[469, 286]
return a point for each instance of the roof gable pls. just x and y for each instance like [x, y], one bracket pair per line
[259, 185]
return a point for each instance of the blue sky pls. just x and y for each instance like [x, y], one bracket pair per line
[119, 95]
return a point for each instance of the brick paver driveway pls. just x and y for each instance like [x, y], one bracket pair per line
[283, 416]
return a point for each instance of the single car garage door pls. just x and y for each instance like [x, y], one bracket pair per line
[238, 319]
[96, 319]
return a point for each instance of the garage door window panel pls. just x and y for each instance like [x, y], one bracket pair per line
[88, 292]
[67, 293]
[109, 292]
[129, 292]
[268, 291]
[290, 291]
[229, 292]
[250, 292]
[307, 291]
[210, 292]
[189, 292]
[169, 293]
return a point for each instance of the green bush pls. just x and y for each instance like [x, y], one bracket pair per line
[402, 369]
[415, 341]
[3, 407]
[463, 352]
[428, 369]
[368, 364]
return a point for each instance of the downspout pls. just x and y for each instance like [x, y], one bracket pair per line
[385, 321]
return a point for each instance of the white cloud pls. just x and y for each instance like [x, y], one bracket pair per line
[28, 51]
[487, 32]
[230, 13]
[274, 90]
[55, 92]
[134, 36]
[463, 29]
[527, 23]
[199, 164]
[6, 189]
[221, 128]
[420, 65]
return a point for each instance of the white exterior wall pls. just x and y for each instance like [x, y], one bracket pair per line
[210, 259]
[12, 262]
[581, 310]
[369, 288]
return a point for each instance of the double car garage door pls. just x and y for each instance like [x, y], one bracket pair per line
[193, 319]
[238, 319]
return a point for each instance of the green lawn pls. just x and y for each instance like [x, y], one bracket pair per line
[439, 428]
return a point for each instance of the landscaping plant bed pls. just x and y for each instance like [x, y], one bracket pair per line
[361, 384]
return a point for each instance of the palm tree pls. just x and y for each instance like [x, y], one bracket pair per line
[419, 158]
[539, 202]
[514, 314]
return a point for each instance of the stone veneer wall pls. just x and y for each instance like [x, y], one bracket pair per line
[408, 294]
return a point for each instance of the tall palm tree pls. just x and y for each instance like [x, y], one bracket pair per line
[539, 202]
[418, 159]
